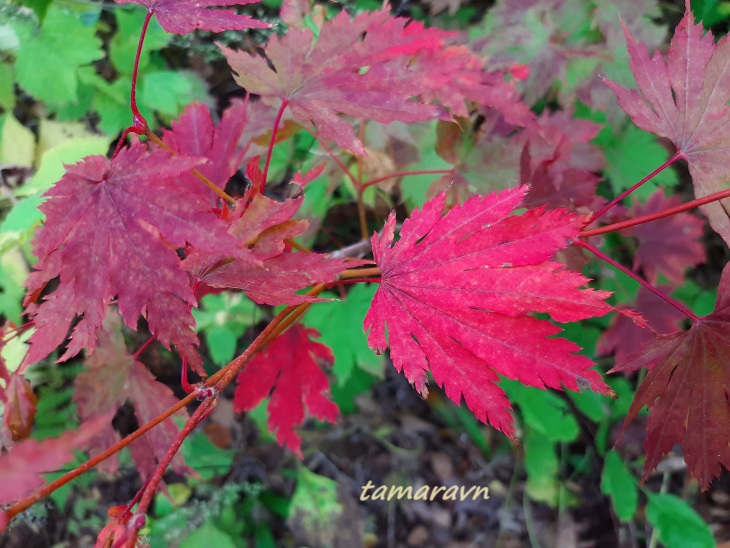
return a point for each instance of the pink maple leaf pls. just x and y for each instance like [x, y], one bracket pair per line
[323, 78]
[456, 296]
[109, 226]
[288, 369]
[685, 99]
[184, 16]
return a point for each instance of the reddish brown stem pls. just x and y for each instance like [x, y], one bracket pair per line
[139, 123]
[210, 184]
[197, 417]
[407, 174]
[676, 304]
[623, 195]
[272, 141]
[655, 216]
[220, 380]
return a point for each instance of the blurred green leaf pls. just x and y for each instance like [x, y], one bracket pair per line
[207, 536]
[223, 319]
[123, 46]
[676, 523]
[340, 324]
[541, 465]
[543, 411]
[619, 483]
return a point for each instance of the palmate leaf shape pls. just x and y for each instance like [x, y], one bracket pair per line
[320, 79]
[289, 369]
[456, 296]
[687, 390]
[109, 226]
[686, 101]
[184, 16]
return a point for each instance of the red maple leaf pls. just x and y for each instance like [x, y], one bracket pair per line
[320, 79]
[288, 369]
[113, 377]
[21, 468]
[667, 246]
[456, 296]
[687, 390]
[272, 274]
[686, 101]
[195, 135]
[184, 16]
[108, 228]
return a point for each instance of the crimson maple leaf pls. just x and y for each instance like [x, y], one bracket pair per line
[272, 274]
[108, 224]
[686, 101]
[195, 135]
[320, 79]
[457, 292]
[667, 246]
[289, 369]
[687, 390]
[184, 16]
[113, 377]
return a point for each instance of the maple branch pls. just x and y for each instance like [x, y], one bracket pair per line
[360, 273]
[625, 193]
[364, 232]
[297, 246]
[676, 304]
[655, 216]
[406, 174]
[200, 414]
[269, 152]
[210, 184]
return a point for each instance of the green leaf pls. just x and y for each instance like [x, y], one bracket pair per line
[223, 319]
[40, 7]
[168, 91]
[13, 272]
[541, 465]
[314, 506]
[340, 324]
[676, 523]
[208, 535]
[19, 224]
[7, 93]
[631, 156]
[123, 46]
[207, 459]
[543, 411]
[619, 483]
[48, 61]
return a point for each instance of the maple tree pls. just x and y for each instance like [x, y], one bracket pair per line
[469, 294]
